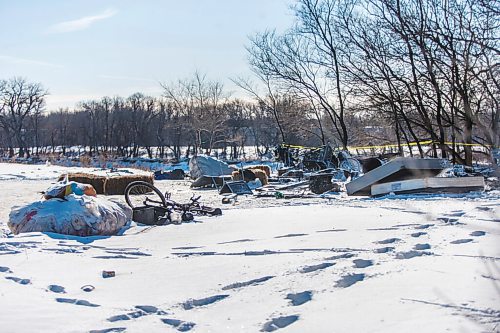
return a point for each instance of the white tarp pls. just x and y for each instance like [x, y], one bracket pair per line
[208, 166]
[76, 215]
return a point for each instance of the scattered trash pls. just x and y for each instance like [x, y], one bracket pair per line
[430, 185]
[249, 175]
[152, 207]
[64, 188]
[176, 174]
[236, 187]
[322, 182]
[108, 274]
[70, 214]
[231, 198]
[399, 169]
[202, 165]
[210, 181]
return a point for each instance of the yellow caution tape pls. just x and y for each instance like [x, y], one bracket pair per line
[423, 143]
[428, 142]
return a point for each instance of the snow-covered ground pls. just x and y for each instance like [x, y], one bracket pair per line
[11, 171]
[418, 264]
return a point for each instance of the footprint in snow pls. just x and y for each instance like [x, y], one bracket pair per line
[457, 213]
[412, 254]
[309, 269]
[181, 326]
[247, 283]
[388, 241]
[415, 212]
[300, 298]
[18, 280]
[279, 322]
[384, 249]
[193, 303]
[76, 302]
[477, 233]
[187, 247]
[118, 318]
[291, 235]
[130, 253]
[449, 220]
[238, 241]
[142, 310]
[332, 230]
[119, 256]
[361, 263]
[424, 246]
[341, 256]
[461, 241]
[4, 269]
[64, 250]
[56, 289]
[110, 330]
[407, 225]
[383, 229]
[149, 309]
[424, 226]
[349, 279]
[418, 234]
[128, 316]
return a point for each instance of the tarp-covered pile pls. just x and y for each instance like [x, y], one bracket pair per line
[79, 215]
[208, 171]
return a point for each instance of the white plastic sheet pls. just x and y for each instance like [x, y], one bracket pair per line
[76, 215]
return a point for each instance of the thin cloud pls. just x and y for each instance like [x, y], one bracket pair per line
[81, 23]
[23, 61]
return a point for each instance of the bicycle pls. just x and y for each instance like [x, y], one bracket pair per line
[151, 206]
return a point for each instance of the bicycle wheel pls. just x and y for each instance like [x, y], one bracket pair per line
[352, 165]
[141, 194]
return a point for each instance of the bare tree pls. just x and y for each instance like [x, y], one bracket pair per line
[18, 100]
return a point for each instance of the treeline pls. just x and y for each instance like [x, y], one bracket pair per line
[194, 113]
[348, 72]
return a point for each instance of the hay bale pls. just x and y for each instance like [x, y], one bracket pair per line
[108, 185]
[261, 175]
[116, 185]
[248, 175]
[262, 167]
[96, 181]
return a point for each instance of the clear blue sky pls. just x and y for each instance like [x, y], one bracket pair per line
[85, 49]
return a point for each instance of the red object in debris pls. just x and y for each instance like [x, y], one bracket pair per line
[30, 215]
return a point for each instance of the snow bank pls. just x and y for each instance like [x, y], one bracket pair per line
[76, 215]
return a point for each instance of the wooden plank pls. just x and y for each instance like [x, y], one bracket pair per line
[434, 184]
[401, 168]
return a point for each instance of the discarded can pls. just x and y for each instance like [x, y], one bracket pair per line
[107, 274]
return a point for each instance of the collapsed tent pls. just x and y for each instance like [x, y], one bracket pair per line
[73, 215]
[207, 166]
